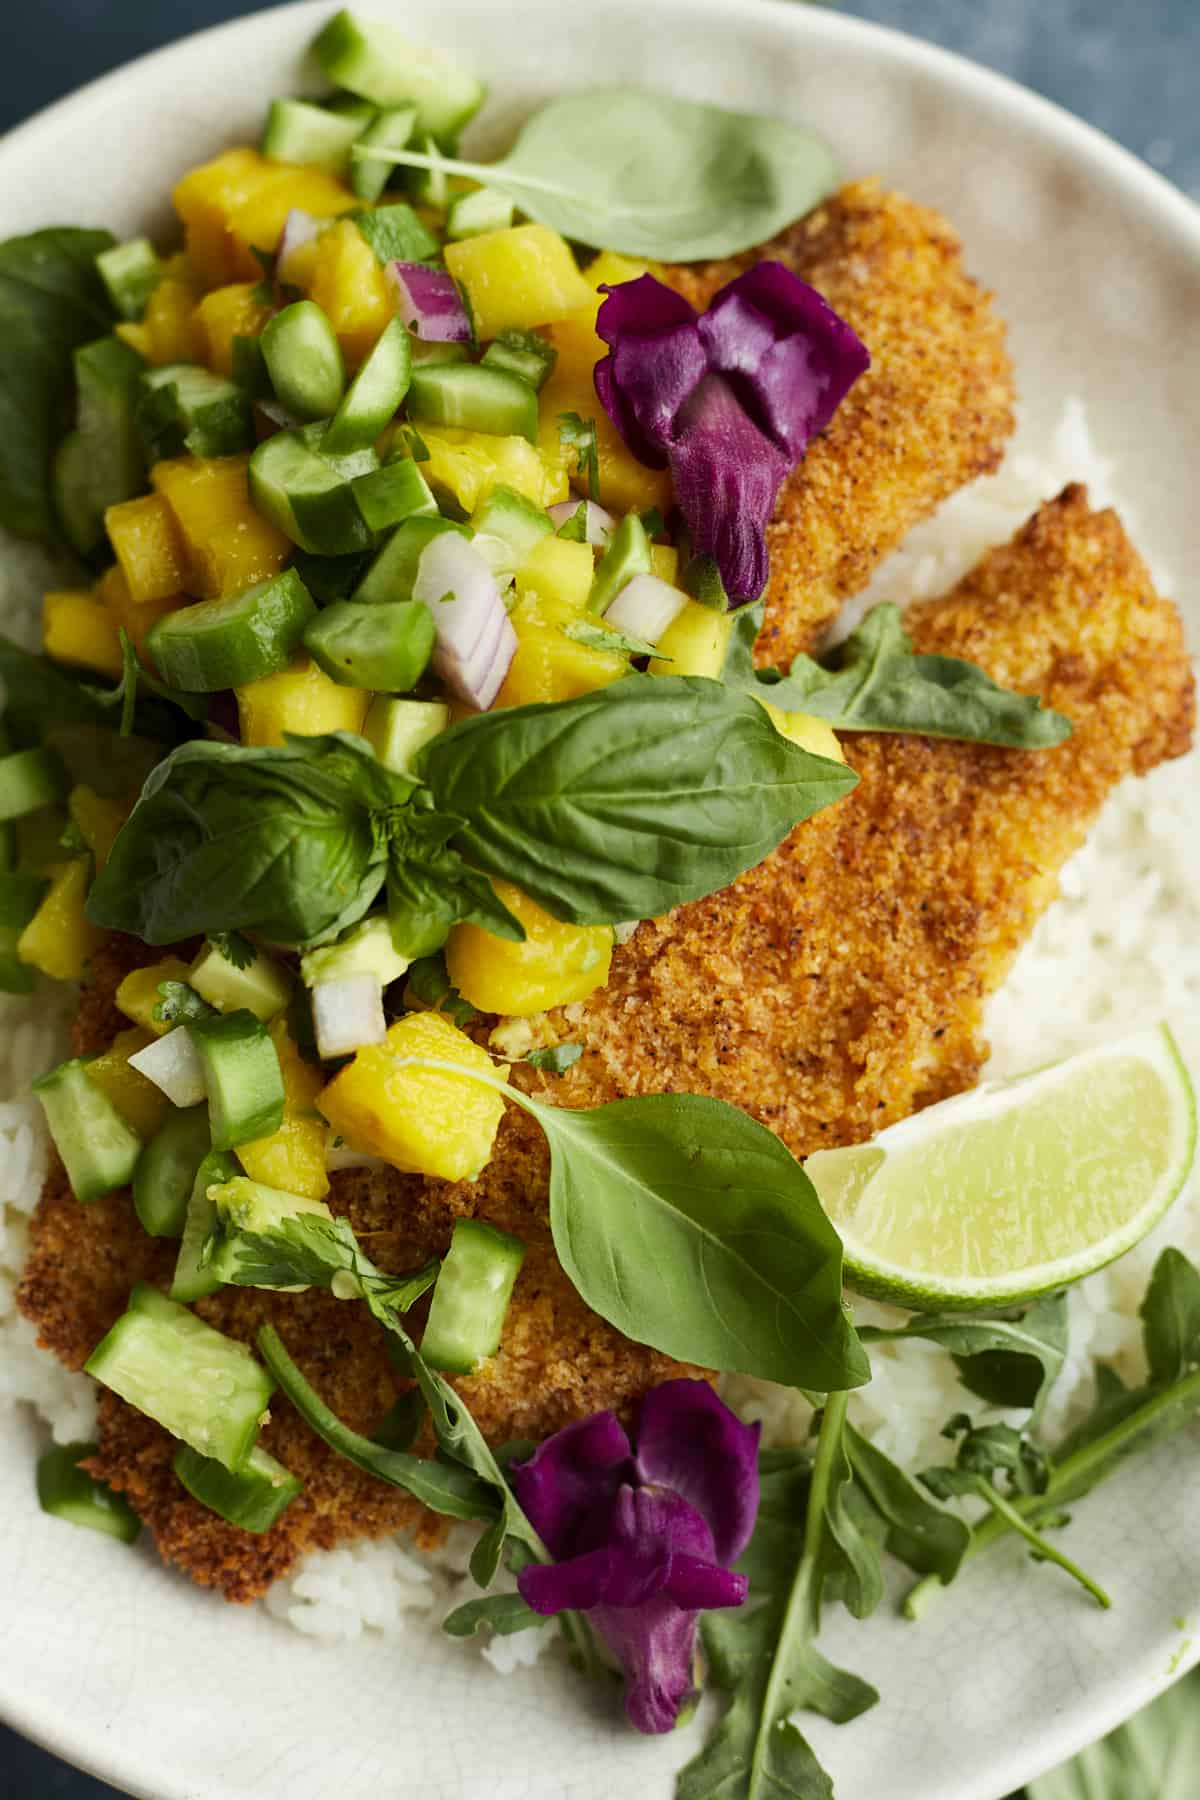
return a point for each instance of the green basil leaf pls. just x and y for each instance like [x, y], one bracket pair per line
[430, 883]
[1008, 1362]
[504, 1613]
[874, 682]
[51, 300]
[650, 175]
[629, 800]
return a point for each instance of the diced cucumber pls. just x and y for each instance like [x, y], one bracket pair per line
[471, 1296]
[245, 1208]
[219, 644]
[471, 215]
[372, 399]
[298, 131]
[366, 949]
[396, 234]
[392, 573]
[66, 1491]
[252, 1497]
[627, 555]
[394, 493]
[199, 1385]
[384, 647]
[372, 59]
[262, 986]
[331, 577]
[428, 187]
[396, 730]
[307, 496]
[524, 354]
[185, 407]
[389, 130]
[304, 360]
[101, 463]
[29, 780]
[194, 1276]
[166, 1172]
[99, 1149]
[506, 527]
[428, 355]
[250, 371]
[474, 398]
[130, 273]
[245, 1084]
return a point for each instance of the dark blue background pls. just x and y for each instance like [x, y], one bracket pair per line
[1129, 68]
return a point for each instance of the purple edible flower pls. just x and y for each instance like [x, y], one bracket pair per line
[643, 1538]
[728, 399]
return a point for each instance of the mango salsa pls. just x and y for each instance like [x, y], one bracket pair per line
[128, 614]
[696, 641]
[552, 592]
[423, 1121]
[557, 569]
[138, 995]
[226, 313]
[138, 1101]
[239, 201]
[227, 545]
[59, 939]
[522, 276]
[302, 699]
[78, 629]
[351, 289]
[145, 538]
[293, 1157]
[169, 320]
[469, 464]
[557, 963]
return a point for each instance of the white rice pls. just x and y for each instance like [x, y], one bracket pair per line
[1121, 947]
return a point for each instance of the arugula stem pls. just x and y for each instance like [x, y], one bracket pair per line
[1073, 1476]
[484, 172]
[1001, 1507]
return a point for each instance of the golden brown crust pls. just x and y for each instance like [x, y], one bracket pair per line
[829, 992]
[933, 411]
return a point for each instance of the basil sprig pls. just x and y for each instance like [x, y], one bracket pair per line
[874, 682]
[619, 804]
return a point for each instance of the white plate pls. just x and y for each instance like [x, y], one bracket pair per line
[129, 1671]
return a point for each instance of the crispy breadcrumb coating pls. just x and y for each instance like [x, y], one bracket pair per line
[829, 992]
[933, 411]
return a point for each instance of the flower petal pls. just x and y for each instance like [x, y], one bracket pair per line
[567, 1487]
[572, 1586]
[655, 360]
[655, 1645]
[727, 476]
[702, 1586]
[688, 1440]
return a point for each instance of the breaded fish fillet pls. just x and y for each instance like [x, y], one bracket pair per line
[933, 411]
[829, 992]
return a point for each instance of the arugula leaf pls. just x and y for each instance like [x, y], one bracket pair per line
[926, 1537]
[703, 181]
[874, 682]
[51, 300]
[1009, 1362]
[579, 435]
[556, 1059]
[629, 800]
[607, 637]
[504, 1613]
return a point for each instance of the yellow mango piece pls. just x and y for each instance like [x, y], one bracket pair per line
[351, 289]
[138, 1101]
[549, 665]
[664, 562]
[97, 819]
[128, 614]
[228, 546]
[301, 699]
[696, 640]
[609, 269]
[226, 313]
[138, 995]
[292, 1158]
[240, 200]
[59, 939]
[146, 542]
[557, 569]
[423, 1121]
[170, 322]
[805, 729]
[556, 964]
[137, 336]
[522, 276]
[469, 464]
[78, 629]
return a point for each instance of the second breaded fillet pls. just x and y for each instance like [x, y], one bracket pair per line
[933, 411]
[831, 991]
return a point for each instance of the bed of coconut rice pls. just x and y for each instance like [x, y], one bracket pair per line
[1118, 949]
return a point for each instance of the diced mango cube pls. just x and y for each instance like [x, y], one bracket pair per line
[807, 730]
[226, 313]
[424, 1121]
[469, 464]
[696, 641]
[557, 569]
[138, 1101]
[522, 276]
[664, 562]
[256, 223]
[137, 336]
[135, 617]
[240, 200]
[548, 664]
[170, 323]
[78, 629]
[301, 699]
[293, 1157]
[60, 939]
[557, 963]
[97, 819]
[609, 269]
[145, 538]
[228, 546]
[138, 995]
[351, 289]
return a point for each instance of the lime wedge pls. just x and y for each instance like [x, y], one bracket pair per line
[1016, 1187]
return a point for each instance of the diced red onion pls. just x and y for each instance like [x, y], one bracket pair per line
[599, 526]
[348, 1013]
[299, 228]
[645, 607]
[173, 1065]
[475, 639]
[428, 300]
